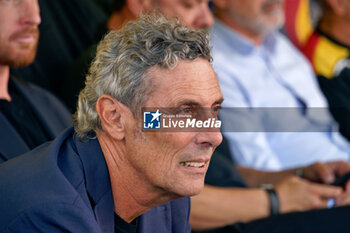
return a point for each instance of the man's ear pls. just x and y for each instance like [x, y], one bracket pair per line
[137, 7]
[112, 116]
[337, 6]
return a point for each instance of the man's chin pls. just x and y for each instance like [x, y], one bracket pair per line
[22, 63]
[21, 60]
[195, 191]
[15, 55]
[192, 190]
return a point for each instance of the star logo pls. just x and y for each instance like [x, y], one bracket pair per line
[156, 115]
[151, 120]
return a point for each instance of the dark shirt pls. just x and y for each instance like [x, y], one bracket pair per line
[20, 114]
[330, 60]
[123, 227]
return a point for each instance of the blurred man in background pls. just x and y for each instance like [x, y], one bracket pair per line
[287, 123]
[258, 67]
[328, 50]
[29, 115]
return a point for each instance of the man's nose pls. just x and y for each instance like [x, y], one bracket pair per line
[209, 139]
[204, 17]
[29, 12]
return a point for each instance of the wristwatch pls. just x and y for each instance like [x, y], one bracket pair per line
[273, 197]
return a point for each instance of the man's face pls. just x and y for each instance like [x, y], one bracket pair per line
[346, 5]
[193, 13]
[163, 159]
[258, 16]
[19, 34]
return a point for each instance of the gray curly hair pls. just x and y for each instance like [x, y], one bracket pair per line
[123, 59]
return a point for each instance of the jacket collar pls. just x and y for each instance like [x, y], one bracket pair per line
[97, 181]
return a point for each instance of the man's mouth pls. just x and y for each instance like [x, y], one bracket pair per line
[26, 39]
[26, 36]
[193, 164]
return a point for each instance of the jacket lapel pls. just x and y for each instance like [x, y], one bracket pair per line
[97, 182]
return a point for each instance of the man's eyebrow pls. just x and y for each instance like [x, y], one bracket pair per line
[194, 103]
[189, 103]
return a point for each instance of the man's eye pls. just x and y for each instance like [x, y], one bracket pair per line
[216, 108]
[186, 110]
[14, 2]
[188, 4]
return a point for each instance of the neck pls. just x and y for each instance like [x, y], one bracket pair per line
[4, 79]
[337, 27]
[131, 194]
[256, 38]
[117, 19]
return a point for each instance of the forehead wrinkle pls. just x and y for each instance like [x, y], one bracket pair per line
[195, 100]
[183, 86]
[178, 97]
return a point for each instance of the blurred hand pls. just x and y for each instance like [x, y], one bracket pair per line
[297, 194]
[326, 172]
[344, 198]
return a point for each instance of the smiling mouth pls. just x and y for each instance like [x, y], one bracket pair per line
[193, 164]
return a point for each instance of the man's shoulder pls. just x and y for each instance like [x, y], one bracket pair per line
[328, 56]
[53, 216]
[286, 47]
[39, 165]
[39, 95]
[231, 58]
[48, 107]
[28, 87]
[286, 55]
[35, 179]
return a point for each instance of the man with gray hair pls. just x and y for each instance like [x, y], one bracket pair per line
[108, 175]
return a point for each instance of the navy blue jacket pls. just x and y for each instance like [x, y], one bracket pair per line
[49, 110]
[64, 186]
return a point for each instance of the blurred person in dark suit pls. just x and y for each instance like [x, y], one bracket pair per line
[29, 115]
